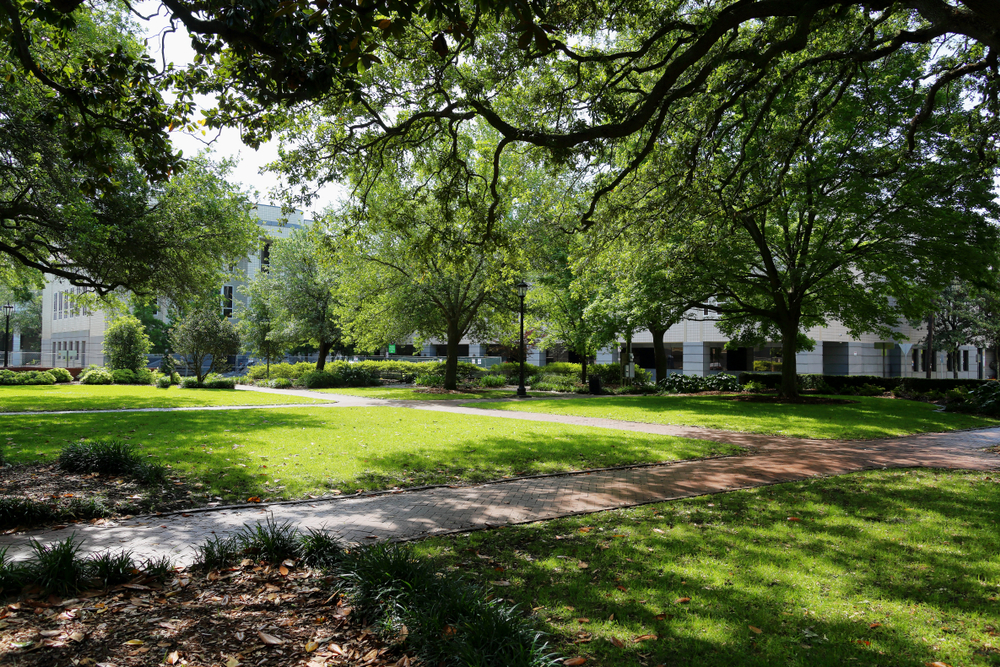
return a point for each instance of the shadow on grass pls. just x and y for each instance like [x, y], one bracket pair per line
[882, 568]
[290, 453]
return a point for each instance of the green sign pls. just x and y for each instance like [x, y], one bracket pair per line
[392, 349]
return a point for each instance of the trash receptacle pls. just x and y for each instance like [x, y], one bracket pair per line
[595, 384]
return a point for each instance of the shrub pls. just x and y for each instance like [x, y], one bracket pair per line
[13, 576]
[16, 512]
[8, 377]
[217, 552]
[56, 568]
[203, 334]
[270, 541]
[753, 387]
[126, 344]
[123, 376]
[95, 375]
[429, 380]
[218, 382]
[60, 374]
[722, 382]
[512, 370]
[564, 368]
[320, 549]
[282, 370]
[190, 382]
[492, 381]
[175, 378]
[610, 374]
[112, 568]
[986, 398]
[554, 383]
[163, 382]
[38, 378]
[280, 383]
[112, 457]
[678, 383]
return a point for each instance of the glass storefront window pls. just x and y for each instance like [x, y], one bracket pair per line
[767, 359]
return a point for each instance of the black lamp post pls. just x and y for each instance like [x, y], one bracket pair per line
[7, 310]
[522, 291]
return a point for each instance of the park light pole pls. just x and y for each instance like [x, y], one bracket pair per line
[7, 310]
[522, 291]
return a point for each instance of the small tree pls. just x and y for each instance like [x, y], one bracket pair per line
[255, 322]
[204, 333]
[126, 344]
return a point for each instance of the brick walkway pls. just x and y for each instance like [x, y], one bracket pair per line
[434, 511]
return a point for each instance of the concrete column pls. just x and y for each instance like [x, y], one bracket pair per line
[477, 350]
[810, 362]
[429, 350]
[696, 359]
[608, 355]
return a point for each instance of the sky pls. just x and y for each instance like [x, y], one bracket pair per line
[225, 143]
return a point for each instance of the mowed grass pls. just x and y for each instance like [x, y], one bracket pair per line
[412, 394]
[879, 568]
[291, 453]
[42, 398]
[864, 418]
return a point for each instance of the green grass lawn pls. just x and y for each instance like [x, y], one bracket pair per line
[289, 453]
[37, 398]
[411, 394]
[865, 418]
[879, 568]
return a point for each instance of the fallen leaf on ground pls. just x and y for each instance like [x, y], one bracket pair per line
[173, 657]
[875, 625]
[682, 600]
[232, 662]
[794, 518]
[756, 629]
[643, 638]
[573, 662]
[270, 640]
[617, 642]
[311, 646]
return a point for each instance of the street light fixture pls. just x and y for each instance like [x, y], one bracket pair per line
[7, 310]
[522, 291]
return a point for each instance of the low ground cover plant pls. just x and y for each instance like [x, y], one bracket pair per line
[877, 568]
[446, 620]
[111, 457]
[58, 568]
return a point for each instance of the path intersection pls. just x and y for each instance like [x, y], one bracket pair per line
[416, 513]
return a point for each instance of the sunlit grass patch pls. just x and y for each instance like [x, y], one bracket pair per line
[878, 568]
[863, 418]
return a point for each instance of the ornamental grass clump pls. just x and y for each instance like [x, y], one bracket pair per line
[110, 457]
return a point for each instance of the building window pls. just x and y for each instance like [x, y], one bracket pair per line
[717, 359]
[965, 360]
[265, 258]
[949, 365]
[227, 300]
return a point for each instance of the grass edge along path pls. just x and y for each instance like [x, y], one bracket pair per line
[280, 453]
[53, 398]
[415, 394]
[897, 567]
[864, 418]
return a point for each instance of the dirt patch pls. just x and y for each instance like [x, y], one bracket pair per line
[249, 615]
[90, 493]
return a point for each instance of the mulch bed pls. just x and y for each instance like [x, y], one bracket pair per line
[255, 614]
[45, 482]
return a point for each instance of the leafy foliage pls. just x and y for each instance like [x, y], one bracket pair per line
[202, 334]
[8, 377]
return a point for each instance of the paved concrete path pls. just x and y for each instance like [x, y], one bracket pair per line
[434, 511]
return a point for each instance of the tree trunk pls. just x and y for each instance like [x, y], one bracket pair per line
[324, 350]
[789, 377]
[451, 363]
[583, 364]
[954, 363]
[929, 362]
[659, 354]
